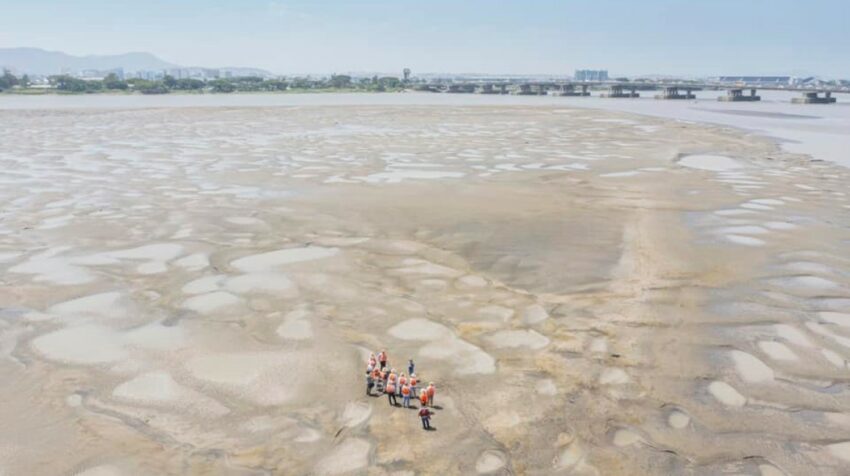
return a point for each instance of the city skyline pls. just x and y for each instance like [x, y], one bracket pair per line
[664, 37]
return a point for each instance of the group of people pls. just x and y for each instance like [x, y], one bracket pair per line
[383, 379]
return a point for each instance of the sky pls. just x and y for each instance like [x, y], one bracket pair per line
[626, 37]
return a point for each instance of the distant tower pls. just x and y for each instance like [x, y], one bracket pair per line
[406, 74]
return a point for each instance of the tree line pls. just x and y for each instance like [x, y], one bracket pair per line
[112, 83]
[9, 80]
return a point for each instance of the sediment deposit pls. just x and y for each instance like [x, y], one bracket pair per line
[196, 291]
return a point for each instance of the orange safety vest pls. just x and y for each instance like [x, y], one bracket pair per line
[390, 388]
[413, 382]
[402, 380]
[424, 397]
[431, 390]
[376, 374]
[405, 390]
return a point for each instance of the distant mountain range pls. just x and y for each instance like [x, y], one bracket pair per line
[38, 61]
[42, 62]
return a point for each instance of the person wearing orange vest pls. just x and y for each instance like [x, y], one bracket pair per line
[392, 377]
[382, 358]
[413, 384]
[402, 381]
[431, 392]
[423, 397]
[391, 394]
[405, 396]
[376, 381]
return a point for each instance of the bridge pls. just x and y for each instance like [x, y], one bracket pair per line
[621, 89]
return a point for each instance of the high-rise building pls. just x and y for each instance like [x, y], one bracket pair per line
[591, 75]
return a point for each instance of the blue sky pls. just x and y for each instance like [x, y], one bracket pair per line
[682, 37]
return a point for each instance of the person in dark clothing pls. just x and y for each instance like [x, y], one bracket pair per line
[391, 394]
[410, 367]
[382, 359]
[370, 382]
[425, 415]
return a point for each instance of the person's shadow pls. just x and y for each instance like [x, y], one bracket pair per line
[431, 428]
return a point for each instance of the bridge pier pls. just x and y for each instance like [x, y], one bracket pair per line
[672, 92]
[431, 88]
[814, 97]
[620, 91]
[462, 88]
[526, 89]
[737, 95]
[491, 88]
[529, 89]
[570, 90]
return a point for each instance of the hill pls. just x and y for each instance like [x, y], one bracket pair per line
[43, 62]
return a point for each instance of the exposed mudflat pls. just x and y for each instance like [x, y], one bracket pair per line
[195, 291]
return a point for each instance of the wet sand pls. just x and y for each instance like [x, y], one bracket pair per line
[196, 290]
